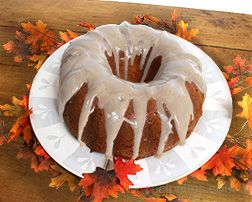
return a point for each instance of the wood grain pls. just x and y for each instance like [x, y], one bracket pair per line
[222, 37]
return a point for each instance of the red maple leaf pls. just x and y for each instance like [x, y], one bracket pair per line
[125, 168]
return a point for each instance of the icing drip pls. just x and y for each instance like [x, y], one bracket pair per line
[85, 62]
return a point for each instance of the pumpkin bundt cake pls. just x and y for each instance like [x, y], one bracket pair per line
[130, 90]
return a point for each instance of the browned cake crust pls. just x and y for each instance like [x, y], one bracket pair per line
[94, 135]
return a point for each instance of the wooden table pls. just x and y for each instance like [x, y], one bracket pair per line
[222, 36]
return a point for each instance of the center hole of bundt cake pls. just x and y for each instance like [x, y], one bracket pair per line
[134, 73]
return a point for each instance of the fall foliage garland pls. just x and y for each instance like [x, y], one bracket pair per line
[36, 42]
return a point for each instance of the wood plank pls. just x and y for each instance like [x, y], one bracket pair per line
[222, 38]
[216, 28]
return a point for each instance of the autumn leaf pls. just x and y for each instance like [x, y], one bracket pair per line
[28, 133]
[233, 81]
[221, 163]
[67, 36]
[19, 125]
[181, 180]
[235, 90]
[228, 69]
[139, 19]
[41, 152]
[63, 177]
[174, 16]
[152, 19]
[234, 183]
[239, 62]
[249, 80]
[100, 185]
[40, 38]
[16, 109]
[18, 47]
[2, 139]
[199, 175]
[184, 33]
[246, 105]
[245, 157]
[125, 168]
[9, 46]
[38, 60]
[220, 182]
[87, 25]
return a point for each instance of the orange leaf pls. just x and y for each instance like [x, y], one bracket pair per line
[40, 38]
[234, 183]
[62, 177]
[125, 168]
[245, 157]
[199, 175]
[228, 69]
[67, 36]
[174, 16]
[139, 19]
[19, 125]
[100, 185]
[152, 19]
[181, 180]
[28, 134]
[170, 197]
[41, 152]
[9, 46]
[239, 62]
[87, 25]
[233, 81]
[235, 90]
[249, 80]
[38, 60]
[2, 139]
[221, 163]
[18, 58]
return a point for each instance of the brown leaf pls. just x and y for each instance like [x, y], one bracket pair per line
[100, 185]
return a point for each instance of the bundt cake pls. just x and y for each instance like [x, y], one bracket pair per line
[130, 90]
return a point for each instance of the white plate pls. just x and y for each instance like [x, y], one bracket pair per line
[180, 161]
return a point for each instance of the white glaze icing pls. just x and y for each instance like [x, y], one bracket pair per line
[85, 61]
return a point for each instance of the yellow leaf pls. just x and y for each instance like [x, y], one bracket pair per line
[64, 176]
[221, 182]
[170, 197]
[38, 59]
[245, 104]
